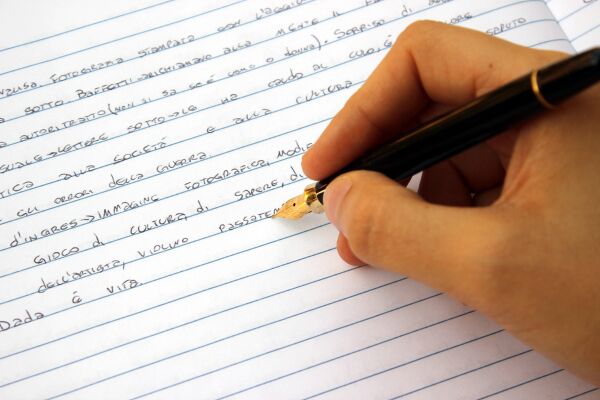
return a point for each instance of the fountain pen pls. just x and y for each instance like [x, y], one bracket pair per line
[464, 127]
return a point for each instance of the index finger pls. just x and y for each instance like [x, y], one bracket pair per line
[430, 62]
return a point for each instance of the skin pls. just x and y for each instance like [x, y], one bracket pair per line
[510, 227]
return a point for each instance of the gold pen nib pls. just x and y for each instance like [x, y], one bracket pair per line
[297, 207]
[294, 208]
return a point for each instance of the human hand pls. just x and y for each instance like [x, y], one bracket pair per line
[510, 227]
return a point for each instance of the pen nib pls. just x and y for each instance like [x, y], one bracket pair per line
[294, 208]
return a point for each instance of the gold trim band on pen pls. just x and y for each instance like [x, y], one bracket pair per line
[535, 86]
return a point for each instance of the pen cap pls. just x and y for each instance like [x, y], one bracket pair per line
[570, 76]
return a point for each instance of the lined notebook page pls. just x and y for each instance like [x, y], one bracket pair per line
[580, 19]
[142, 152]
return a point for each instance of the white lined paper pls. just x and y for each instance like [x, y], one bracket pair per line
[579, 20]
[189, 307]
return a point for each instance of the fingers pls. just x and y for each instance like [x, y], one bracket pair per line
[430, 62]
[442, 184]
[344, 250]
[479, 167]
[385, 225]
[391, 97]
[454, 181]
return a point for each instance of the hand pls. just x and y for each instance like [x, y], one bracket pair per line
[510, 227]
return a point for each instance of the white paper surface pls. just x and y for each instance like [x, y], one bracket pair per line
[580, 21]
[144, 146]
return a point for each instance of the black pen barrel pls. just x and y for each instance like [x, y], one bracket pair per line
[568, 77]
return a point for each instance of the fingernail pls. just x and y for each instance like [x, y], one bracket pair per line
[334, 196]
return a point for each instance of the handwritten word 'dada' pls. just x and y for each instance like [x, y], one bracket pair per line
[14, 322]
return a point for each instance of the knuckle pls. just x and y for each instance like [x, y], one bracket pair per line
[544, 57]
[419, 30]
[365, 110]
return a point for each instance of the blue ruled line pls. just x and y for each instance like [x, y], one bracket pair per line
[404, 364]
[241, 332]
[187, 323]
[187, 90]
[161, 226]
[582, 394]
[119, 39]
[575, 12]
[161, 52]
[585, 33]
[160, 174]
[463, 374]
[169, 301]
[132, 261]
[254, 44]
[550, 41]
[86, 26]
[217, 57]
[342, 355]
[521, 384]
[188, 114]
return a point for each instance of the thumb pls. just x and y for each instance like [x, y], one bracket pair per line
[388, 226]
